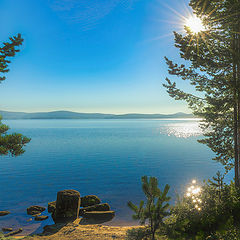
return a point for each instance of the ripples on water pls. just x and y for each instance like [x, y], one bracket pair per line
[182, 129]
[102, 157]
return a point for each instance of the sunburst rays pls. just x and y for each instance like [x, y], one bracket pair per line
[186, 22]
[195, 24]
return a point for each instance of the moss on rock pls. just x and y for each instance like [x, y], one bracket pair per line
[89, 200]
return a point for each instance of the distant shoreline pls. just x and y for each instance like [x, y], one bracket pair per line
[6, 115]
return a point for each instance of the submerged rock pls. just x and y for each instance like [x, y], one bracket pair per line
[13, 232]
[97, 207]
[35, 210]
[52, 207]
[50, 229]
[100, 215]
[97, 217]
[6, 229]
[40, 218]
[67, 206]
[89, 200]
[4, 213]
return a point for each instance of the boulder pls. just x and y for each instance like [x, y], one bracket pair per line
[67, 206]
[40, 218]
[97, 207]
[51, 207]
[4, 213]
[100, 215]
[6, 229]
[35, 210]
[13, 232]
[89, 200]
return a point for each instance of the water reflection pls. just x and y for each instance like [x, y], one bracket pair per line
[182, 129]
[193, 193]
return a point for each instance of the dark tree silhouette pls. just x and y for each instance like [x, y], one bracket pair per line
[10, 143]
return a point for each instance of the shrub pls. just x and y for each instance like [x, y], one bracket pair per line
[214, 210]
[138, 233]
[155, 209]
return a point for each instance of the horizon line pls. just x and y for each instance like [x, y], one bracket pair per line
[52, 111]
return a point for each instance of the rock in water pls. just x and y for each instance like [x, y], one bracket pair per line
[99, 214]
[34, 210]
[97, 217]
[51, 207]
[51, 229]
[67, 206]
[4, 213]
[13, 232]
[41, 218]
[97, 207]
[6, 229]
[89, 200]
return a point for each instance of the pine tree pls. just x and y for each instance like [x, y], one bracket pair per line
[217, 183]
[10, 143]
[156, 208]
[213, 67]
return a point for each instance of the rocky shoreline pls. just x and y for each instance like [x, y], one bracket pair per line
[68, 209]
[77, 231]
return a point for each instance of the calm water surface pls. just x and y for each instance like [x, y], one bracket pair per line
[102, 157]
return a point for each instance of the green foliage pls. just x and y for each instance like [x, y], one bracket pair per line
[232, 233]
[217, 183]
[10, 143]
[219, 214]
[138, 233]
[155, 209]
[8, 49]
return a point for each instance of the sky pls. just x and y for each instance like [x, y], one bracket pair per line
[102, 56]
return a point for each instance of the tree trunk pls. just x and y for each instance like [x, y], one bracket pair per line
[153, 235]
[236, 152]
[237, 76]
[236, 114]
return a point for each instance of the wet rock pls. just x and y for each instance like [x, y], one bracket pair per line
[13, 232]
[35, 215]
[97, 217]
[51, 207]
[89, 200]
[6, 229]
[97, 207]
[67, 206]
[40, 218]
[100, 215]
[51, 229]
[4, 213]
[35, 210]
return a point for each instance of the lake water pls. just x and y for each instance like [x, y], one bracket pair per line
[102, 157]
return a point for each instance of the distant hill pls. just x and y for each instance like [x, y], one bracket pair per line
[75, 115]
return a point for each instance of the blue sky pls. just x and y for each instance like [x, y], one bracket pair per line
[91, 55]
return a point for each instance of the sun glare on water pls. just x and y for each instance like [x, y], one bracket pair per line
[195, 24]
[194, 195]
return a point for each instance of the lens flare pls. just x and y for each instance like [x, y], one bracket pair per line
[194, 24]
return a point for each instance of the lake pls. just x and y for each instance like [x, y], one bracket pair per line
[101, 157]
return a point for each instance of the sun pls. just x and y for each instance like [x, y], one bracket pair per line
[195, 24]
